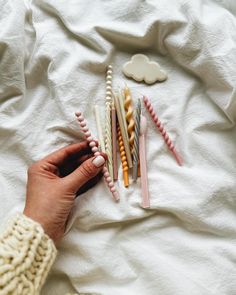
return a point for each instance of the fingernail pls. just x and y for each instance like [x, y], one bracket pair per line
[104, 155]
[98, 161]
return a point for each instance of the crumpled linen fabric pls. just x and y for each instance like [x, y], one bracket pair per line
[53, 57]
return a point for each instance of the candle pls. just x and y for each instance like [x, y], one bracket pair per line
[97, 111]
[162, 130]
[96, 152]
[123, 158]
[128, 105]
[108, 136]
[122, 109]
[123, 131]
[108, 139]
[136, 141]
[143, 163]
[114, 150]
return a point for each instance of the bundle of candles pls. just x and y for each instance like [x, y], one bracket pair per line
[125, 125]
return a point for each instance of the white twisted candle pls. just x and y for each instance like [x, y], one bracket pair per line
[108, 136]
[97, 111]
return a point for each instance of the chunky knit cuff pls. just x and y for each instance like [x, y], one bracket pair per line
[26, 256]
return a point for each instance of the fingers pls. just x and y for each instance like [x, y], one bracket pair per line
[70, 165]
[69, 152]
[89, 184]
[85, 172]
[84, 158]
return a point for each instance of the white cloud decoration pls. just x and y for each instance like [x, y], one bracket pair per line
[140, 68]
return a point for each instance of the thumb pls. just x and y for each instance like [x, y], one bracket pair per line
[86, 171]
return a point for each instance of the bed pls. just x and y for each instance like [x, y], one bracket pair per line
[53, 57]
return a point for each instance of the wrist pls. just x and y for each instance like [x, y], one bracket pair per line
[36, 248]
[40, 220]
[52, 231]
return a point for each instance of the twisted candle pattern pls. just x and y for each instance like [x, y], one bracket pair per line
[123, 158]
[97, 111]
[108, 137]
[163, 132]
[96, 152]
[114, 140]
[129, 117]
[136, 141]
[109, 83]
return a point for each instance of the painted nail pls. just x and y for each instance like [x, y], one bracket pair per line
[99, 161]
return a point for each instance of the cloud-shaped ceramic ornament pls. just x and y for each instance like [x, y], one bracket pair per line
[140, 68]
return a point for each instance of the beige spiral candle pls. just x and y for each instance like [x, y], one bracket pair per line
[128, 104]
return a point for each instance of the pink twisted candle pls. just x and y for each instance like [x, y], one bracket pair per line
[96, 152]
[163, 132]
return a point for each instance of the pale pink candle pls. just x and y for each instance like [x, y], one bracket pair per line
[143, 163]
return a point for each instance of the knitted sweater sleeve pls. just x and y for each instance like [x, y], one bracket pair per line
[26, 256]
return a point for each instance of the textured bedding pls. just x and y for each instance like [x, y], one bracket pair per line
[53, 57]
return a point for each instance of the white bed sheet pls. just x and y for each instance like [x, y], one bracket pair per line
[53, 56]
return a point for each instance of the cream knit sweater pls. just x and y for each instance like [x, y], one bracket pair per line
[26, 256]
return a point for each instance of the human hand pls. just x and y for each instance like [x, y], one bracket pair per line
[55, 181]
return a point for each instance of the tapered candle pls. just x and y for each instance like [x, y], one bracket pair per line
[136, 141]
[114, 143]
[123, 158]
[143, 163]
[97, 111]
[108, 139]
[123, 131]
[121, 98]
[122, 110]
[108, 136]
[96, 152]
[128, 104]
[162, 130]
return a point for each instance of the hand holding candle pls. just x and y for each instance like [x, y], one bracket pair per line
[96, 152]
